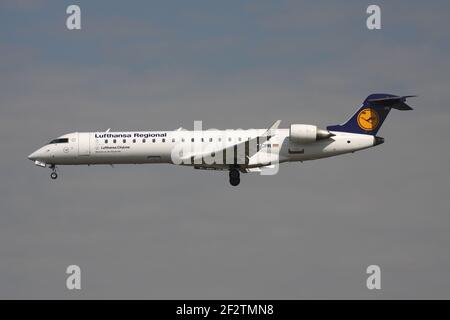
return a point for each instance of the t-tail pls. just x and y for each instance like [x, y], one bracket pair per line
[371, 115]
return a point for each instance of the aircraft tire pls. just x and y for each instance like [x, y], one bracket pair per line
[235, 181]
[234, 174]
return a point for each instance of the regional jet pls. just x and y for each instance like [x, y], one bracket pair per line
[237, 151]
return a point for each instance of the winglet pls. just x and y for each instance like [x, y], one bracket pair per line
[272, 128]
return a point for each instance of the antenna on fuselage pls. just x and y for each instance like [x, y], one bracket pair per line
[108, 130]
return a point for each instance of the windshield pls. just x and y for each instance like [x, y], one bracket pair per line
[60, 140]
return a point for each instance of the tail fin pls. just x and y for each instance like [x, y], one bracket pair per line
[371, 115]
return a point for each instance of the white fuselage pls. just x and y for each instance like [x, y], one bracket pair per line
[86, 148]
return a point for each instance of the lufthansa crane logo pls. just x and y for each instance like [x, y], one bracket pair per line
[368, 119]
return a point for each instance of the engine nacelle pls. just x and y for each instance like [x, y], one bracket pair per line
[306, 133]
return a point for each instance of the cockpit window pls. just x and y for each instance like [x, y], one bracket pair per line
[61, 140]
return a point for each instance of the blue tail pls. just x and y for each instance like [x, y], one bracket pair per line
[371, 115]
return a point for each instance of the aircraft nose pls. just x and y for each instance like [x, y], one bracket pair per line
[38, 154]
[42, 154]
[32, 156]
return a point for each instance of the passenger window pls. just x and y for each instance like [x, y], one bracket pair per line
[239, 139]
[153, 140]
[229, 139]
[182, 139]
[210, 139]
[173, 140]
[106, 141]
[220, 139]
[192, 139]
[143, 140]
[114, 141]
[163, 140]
[124, 141]
[134, 140]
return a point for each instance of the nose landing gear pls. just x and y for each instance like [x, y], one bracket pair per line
[234, 177]
[53, 175]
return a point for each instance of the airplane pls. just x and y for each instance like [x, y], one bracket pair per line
[237, 151]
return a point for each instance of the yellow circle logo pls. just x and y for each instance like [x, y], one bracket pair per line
[368, 119]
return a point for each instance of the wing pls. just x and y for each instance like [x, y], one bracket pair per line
[237, 153]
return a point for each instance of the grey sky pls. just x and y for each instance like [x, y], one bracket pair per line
[160, 231]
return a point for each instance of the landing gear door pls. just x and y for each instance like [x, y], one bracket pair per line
[83, 143]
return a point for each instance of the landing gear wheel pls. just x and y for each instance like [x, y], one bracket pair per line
[234, 177]
[234, 182]
[53, 175]
[234, 174]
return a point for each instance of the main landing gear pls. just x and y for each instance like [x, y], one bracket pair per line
[53, 175]
[234, 177]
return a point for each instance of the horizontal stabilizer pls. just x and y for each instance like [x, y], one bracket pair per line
[394, 102]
